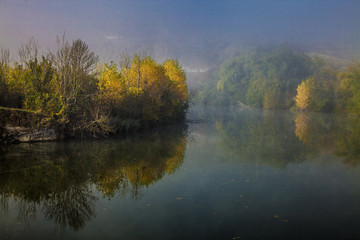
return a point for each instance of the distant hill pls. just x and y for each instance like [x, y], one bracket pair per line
[336, 62]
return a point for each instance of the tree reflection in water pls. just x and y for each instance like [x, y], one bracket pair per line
[59, 179]
[277, 138]
[339, 135]
[73, 207]
[263, 138]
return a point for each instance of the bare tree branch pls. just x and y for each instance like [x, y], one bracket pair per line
[28, 51]
[4, 57]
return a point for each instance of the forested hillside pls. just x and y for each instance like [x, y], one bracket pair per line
[283, 78]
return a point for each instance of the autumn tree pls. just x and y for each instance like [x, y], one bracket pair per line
[304, 94]
[111, 85]
[135, 72]
[177, 76]
[65, 84]
[317, 93]
[74, 64]
[179, 90]
[156, 90]
[125, 66]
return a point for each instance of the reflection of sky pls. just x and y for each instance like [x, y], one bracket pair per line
[179, 28]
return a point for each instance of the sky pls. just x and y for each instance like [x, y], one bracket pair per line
[196, 32]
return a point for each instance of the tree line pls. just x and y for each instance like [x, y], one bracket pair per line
[283, 78]
[90, 98]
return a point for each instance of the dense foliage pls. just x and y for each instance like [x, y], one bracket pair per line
[349, 89]
[90, 98]
[266, 78]
[282, 78]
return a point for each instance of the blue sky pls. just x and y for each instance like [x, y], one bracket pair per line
[192, 31]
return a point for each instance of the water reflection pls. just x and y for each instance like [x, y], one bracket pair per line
[59, 179]
[251, 174]
[277, 139]
[330, 133]
[264, 138]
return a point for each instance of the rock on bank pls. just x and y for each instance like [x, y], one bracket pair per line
[17, 125]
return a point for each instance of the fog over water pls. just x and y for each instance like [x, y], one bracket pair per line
[198, 33]
[282, 161]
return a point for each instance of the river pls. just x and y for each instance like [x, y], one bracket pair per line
[226, 174]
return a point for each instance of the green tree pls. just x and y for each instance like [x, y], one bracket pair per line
[233, 80]
[4, 72]
[349, 90]
[266, 78]
[39, 80]
[32, 81]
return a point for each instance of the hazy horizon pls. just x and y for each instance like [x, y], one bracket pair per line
[198, 33]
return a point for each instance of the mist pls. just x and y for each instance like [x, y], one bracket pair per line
[203, 119]
[200, 33]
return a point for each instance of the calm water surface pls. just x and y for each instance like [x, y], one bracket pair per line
[228, 175]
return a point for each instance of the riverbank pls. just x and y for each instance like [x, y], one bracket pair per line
[19, 125]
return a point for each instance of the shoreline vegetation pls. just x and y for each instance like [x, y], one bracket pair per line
[68, 90]
[68, 93]
[281, 77]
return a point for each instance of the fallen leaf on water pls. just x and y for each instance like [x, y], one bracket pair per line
[241, 195]
[247, 180]
[179, 198]
[233, 180]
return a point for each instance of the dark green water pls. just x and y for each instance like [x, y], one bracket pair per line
[231, 175]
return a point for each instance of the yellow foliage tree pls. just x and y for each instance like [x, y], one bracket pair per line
[156, 86]
[134, 75]
[178, 77]
[111, 85]
[304, 94]
[302, 129]
[153, 73]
